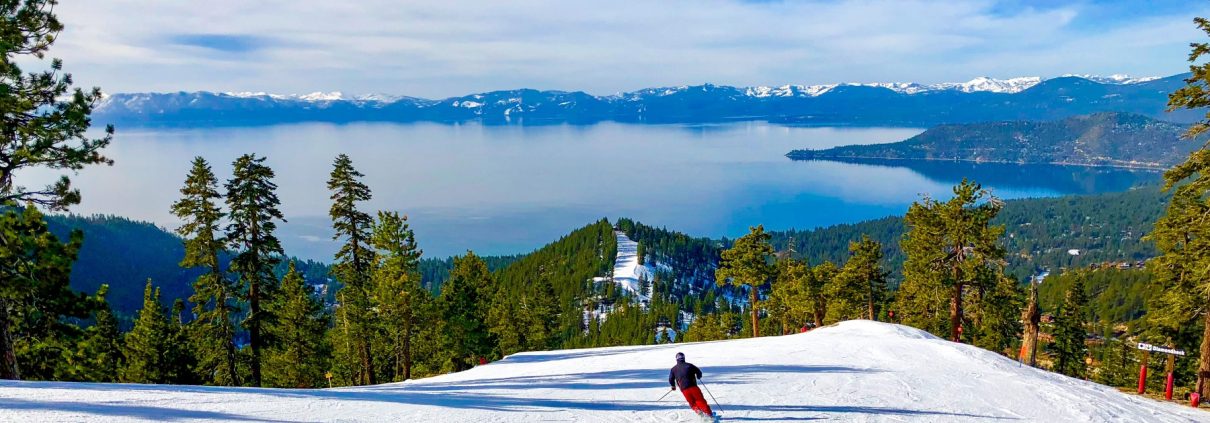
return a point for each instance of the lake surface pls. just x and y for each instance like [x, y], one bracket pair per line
[510, 189]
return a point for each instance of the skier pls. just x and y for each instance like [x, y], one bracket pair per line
[686, 376]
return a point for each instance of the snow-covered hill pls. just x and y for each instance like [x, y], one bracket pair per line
[854, 371]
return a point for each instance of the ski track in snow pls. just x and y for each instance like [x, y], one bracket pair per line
[626, 268]
[856, 371]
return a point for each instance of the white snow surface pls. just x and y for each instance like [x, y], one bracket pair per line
[854, 371]
[626, 268]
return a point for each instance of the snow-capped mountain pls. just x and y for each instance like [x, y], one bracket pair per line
[980, 84]
[891, 103]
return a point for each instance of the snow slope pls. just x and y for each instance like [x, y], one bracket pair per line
[626, 268]
[854, 371]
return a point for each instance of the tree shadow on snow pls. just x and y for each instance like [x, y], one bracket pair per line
[852, 409]
[122, 410]
[620, 379]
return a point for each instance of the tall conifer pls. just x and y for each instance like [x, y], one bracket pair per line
[748, 263]
[213, 293]
[352, 267]
[147, 342]
[252, 201]
[397, 290]
[298, 357]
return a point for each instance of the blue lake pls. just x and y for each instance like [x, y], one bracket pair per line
[510, 189]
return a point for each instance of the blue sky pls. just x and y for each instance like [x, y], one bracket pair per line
[447, 48]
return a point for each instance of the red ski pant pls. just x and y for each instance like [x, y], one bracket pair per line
[698, 403]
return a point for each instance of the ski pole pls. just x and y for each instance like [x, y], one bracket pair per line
[665, 394]
[720, 408]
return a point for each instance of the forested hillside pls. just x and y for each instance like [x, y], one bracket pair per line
[1041, 233]
[1103, 139]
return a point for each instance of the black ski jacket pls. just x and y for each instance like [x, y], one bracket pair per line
[684, 375]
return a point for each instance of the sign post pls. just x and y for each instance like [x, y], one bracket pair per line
[1171, 365]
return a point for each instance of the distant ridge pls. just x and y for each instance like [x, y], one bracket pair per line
[1107, 139]
[867, 104]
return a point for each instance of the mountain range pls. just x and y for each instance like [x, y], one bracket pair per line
[903, 104]
[1108, 139]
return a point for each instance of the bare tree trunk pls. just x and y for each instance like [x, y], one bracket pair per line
[956, 313]
[821, 310]
[870, 300]
[1203, 366]
[1032, 316]
[254, 328]
[755, 312]
[8, 354]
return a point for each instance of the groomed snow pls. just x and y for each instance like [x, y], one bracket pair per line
[626, 268]
[854, 371]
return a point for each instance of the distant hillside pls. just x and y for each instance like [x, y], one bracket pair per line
[1102, 139]
[1105, 227]
[897, 104]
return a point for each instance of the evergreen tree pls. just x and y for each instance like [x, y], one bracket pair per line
[44, 119]
[397, 290]
[213, 293]
[352, 267]
[1182, 235]
[998, 315]
[298, 358]
[252, 201]
[465, 300]
[1070, 333]
[179, 360]
[790, 298]
[147, 343]
[100, 352]
[861, 284]
[748, 263]
[820, 278]
[44, 123]
[35, 296]
[950, 246]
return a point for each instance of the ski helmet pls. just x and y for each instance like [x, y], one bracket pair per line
[680, 357]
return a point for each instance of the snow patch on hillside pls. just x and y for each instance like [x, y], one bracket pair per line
[857, 371]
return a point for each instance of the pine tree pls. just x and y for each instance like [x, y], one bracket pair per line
[252, 201]
[465, 300]
[397, 290]
[1182, 235]
[789, 300]
[213, 294]
[998, 315]
[179, 361]
[541, 312]
[950, 246]
[860, 286]
[147, 342]
[1070, 333]
[35, 296]
[298, 357]
[352, 267]
[820, 278]
[44, 119]
[44, 125]
[100, 352]
[748, 263]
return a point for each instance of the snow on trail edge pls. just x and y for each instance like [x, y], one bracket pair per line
[854, 371]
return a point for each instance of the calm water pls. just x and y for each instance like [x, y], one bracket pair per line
[510, 189]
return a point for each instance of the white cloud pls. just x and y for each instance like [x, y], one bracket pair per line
[438, 49]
